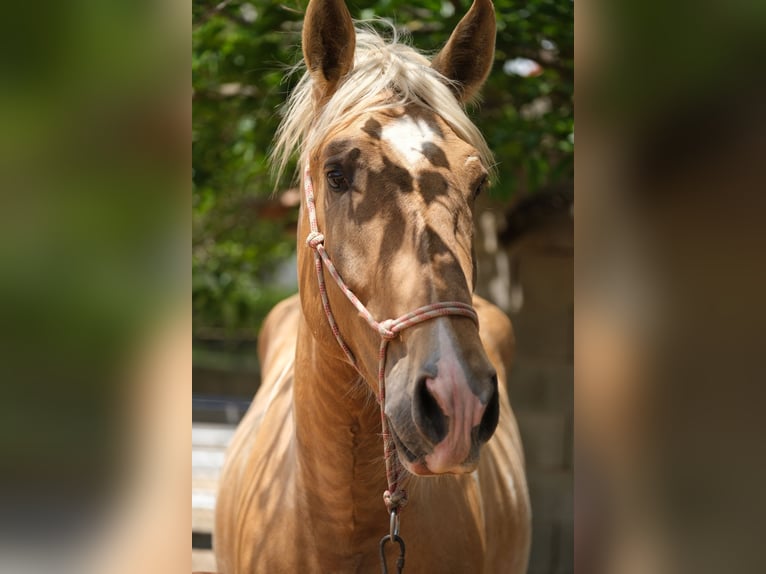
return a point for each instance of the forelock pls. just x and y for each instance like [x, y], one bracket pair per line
[386, 74]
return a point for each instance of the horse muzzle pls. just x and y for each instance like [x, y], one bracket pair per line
[451, 422]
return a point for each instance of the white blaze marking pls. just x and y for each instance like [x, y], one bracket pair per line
[407, 136]
[457, 401]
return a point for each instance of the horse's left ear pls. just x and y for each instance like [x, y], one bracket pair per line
[468, 55]
[329, 41]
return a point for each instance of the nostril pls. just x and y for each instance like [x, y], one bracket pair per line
[491, 415]
[428, 415]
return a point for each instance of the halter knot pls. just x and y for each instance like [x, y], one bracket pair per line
[395, 500]
[314, 239]
[386, 330]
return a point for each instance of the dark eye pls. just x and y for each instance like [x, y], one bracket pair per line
[480, 186]
[336, 180]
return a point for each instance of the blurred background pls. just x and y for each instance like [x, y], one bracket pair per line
[244, 223]
[669, 286]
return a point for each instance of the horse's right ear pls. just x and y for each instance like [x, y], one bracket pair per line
[329, 40]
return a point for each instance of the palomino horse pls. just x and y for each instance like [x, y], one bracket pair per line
[391, 167]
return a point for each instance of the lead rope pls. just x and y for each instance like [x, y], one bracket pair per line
[395, 497]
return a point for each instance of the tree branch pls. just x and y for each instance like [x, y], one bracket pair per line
[217, 9]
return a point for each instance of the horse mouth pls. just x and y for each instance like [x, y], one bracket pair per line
[417, 465]
[410, 461]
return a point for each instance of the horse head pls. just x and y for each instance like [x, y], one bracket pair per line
[396, 166]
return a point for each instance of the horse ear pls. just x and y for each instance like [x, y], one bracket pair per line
[468, 55]
[329, 40]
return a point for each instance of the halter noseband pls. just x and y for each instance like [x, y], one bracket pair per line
[395, 497]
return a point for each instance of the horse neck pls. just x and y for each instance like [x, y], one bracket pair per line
[340, 456]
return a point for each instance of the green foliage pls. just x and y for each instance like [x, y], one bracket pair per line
[241, 51]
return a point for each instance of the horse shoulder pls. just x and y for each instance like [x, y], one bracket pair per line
[278, 332]
[257, 478]
[276, 353]
[497, 335]
[501, 473]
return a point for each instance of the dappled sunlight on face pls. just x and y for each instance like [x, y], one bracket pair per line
[405, 209]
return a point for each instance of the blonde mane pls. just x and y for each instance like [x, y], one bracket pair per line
[386, 74]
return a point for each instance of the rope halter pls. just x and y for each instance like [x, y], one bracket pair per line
[394, 497]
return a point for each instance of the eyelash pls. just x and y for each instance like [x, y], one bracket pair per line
[336, 180]
[480, 187]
